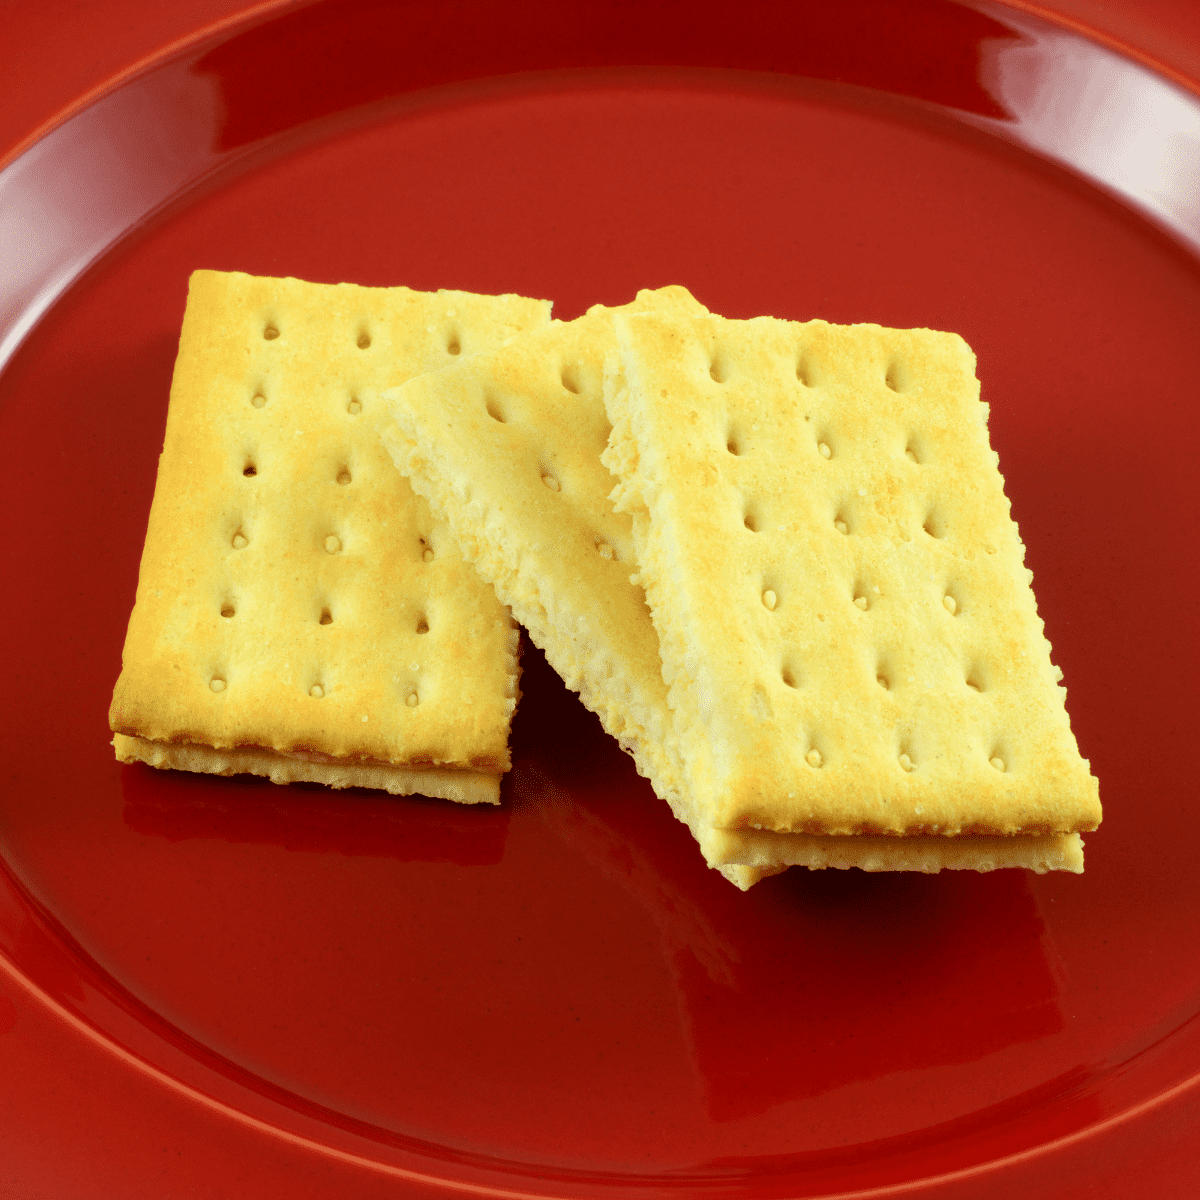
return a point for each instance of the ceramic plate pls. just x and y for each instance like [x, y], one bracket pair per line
[305, 992]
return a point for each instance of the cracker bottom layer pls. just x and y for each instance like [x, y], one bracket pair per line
[761, 855]
[439, 783]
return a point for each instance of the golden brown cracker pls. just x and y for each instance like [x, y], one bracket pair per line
[295, 596]
[846, 624]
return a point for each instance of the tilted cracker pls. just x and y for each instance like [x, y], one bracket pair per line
[506, 447]
[300, 614]
[846, 625]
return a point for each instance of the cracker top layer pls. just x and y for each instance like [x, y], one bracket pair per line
[294, 593]
[846, 625]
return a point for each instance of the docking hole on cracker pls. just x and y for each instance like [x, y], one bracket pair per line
[896, 377]
[572, 379]
[807, 371]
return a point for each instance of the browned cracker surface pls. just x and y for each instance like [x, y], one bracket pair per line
[846, 624]
[296, 601]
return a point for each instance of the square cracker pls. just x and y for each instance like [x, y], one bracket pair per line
[300, 614]
[846, 625]
[506, 447]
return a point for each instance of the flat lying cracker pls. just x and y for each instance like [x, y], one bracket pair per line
[300, 614]
[846, 625]
[506, 448]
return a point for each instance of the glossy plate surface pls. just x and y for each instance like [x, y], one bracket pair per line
[303, 991]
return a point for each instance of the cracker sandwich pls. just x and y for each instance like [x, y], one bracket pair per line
[300, 613]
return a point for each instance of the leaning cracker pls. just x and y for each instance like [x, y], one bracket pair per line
[300, 614]
[506, 447]
[846, 624]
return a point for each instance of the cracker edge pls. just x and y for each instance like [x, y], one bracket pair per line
[440, 783]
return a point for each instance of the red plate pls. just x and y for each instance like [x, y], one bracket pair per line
[216, 987]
